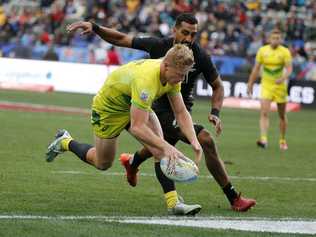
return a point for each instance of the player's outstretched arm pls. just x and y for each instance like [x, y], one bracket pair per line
[109, 35]
[141, 130]
[184, 120]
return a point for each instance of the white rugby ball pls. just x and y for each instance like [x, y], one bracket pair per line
[181, 170]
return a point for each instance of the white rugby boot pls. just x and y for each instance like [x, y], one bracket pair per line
[55, 148]
[182, 209]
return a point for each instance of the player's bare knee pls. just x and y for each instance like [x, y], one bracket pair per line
[145, 153]
[103, 165]
[282, 117]
[264, 114]
[206, 140]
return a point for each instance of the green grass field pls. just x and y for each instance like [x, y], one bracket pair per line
[283, 183]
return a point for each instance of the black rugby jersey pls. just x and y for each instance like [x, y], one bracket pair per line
[158, 47]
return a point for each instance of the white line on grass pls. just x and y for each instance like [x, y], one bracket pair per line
[258, 224]
[262, 178]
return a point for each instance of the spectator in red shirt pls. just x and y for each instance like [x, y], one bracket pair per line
[113, 57]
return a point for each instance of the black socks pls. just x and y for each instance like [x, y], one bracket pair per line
[137, 160]
[230, 193]
[80, 149]
[167, 184]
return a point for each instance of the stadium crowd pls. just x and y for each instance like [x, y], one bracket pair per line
[36, 29]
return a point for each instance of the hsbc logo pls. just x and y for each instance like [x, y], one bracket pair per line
[301, 94]
[239, 89]
[203, 89]
[298, 94]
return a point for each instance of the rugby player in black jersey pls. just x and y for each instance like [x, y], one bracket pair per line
[184, 31]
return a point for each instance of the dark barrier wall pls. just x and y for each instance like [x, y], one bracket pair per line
[302, 92]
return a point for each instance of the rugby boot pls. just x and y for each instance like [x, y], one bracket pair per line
[182, 209]
[241, 204]
[55, 148]
[283, 146]
[131, 173]
[262, 144]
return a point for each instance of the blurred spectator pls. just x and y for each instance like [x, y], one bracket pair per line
[46, 3]
[51, 54]
[21, 51]
[204, 41]
[3, 17]
[255, 44]
[179, 6]
[57, 16]
[309, 71]
[230, 28]
[113, 57]
[278, 5]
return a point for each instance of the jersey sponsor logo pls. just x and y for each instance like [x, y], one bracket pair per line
[144, 96]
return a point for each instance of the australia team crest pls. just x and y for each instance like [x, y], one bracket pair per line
[144, 96]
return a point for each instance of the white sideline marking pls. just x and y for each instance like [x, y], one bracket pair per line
[283, 225]
[262, 178]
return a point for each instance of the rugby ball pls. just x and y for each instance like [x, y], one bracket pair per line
[181, 169]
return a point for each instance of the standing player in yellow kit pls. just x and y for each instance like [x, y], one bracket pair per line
[275, 63]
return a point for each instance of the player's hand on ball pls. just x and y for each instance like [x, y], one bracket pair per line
[216, 121]
[85, 26]
[172, 152]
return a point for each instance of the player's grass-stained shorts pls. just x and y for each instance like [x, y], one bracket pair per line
[274, 92]
[108, 124]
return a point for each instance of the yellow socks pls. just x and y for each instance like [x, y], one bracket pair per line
[263, 138]
[171, 199]
[282, 141]
[65, 143]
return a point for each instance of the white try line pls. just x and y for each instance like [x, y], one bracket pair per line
[257, 224]
[262, 178]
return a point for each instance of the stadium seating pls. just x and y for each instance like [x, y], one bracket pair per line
[227, 28]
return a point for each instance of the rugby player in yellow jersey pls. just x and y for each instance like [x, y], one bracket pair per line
[275, 63]
[184, 31]
[124, 102]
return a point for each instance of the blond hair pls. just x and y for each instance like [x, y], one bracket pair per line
[276, 31]
[180, 56]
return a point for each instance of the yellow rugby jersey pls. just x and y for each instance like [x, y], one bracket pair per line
[273, 61]
[136, 83]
